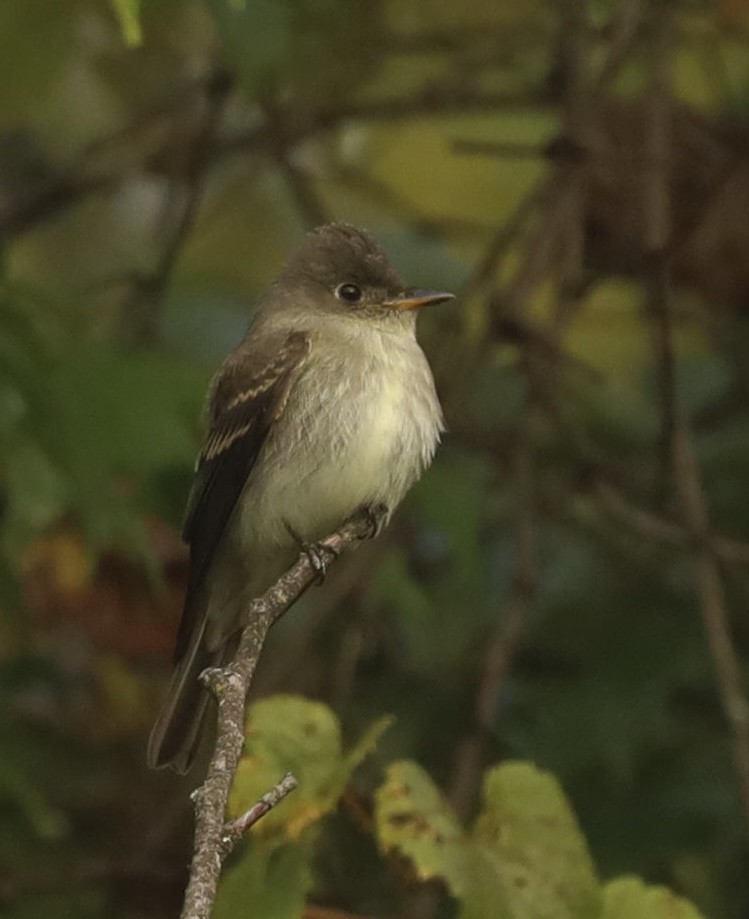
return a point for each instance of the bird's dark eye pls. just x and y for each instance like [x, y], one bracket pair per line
[349, 293]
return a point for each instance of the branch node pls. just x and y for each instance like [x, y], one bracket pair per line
[219, 681]
[235, 829]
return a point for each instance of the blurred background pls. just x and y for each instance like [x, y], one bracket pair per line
[569, 583]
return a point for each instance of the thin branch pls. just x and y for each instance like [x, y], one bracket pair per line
[214, 838]
[507, 233]
[236, 829]
[139, 323]
[55, 194]
[308, 202]
[657, 232]
[626, 31]
[597, 481]
[406, 210]
[712, 601]
[563, 232]
[430, 100]
[646, 523]
[89, 174]
[500, 652]
[677, 442]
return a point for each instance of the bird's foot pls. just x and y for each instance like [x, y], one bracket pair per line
[377, 516]
[319, 558]
[318, 554]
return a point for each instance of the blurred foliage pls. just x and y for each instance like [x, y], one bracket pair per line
[524, 857]
[287, 734]
[577, 172]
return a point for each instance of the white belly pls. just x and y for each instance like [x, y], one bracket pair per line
[357, 439]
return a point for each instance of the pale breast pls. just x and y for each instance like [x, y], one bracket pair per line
[360, 426]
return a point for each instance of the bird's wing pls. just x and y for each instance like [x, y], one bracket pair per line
[245, 403]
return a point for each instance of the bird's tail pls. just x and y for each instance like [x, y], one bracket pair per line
[176, 736]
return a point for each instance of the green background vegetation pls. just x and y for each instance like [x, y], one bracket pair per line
[564, 594]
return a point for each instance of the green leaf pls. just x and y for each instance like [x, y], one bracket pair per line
[367, 743]
[286, 734]
[529, 836]
[271, 883]
[414, 820]
[130, 413]
[36, 493]
[128, 12]
[18, 790]
[293, 734]
[630, 898]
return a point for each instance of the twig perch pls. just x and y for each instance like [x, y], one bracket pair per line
[214, 837]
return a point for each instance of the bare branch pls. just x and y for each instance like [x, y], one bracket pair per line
[677, 447]
[310, 205]
[712, 602]
[428, 100]
[502, 644]
[214, 838]
[183, 198]
[236, 829]
[657, 232]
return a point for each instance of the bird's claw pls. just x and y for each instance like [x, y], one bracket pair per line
[317, 554]
[377, 515]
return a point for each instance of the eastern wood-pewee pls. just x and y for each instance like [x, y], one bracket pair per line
[327, 406]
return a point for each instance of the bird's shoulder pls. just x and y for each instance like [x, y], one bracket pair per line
[253, 370]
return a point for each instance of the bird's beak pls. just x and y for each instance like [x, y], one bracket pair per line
[415, 299]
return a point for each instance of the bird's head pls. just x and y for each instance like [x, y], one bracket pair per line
[342, 271]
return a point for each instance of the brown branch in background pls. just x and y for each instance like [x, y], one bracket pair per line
[309, 204]
[139, 322]
[712, 603]
[677, 442]
[497, 661]
[625, 32]
[429, 100]
[657, 233]
[596, 481]
[387, 197]
[560, 236]
[483, 273]
[100, 167]
[576, 112]
[649, 525]
[64, 190]
[214, 838]
[53, 194]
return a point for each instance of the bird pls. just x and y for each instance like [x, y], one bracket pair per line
[326, 408]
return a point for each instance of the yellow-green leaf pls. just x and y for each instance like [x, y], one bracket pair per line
[630, 898]
[529, 835]
[288, 733]
[128, 12]
[414, 821]
[266, 882]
